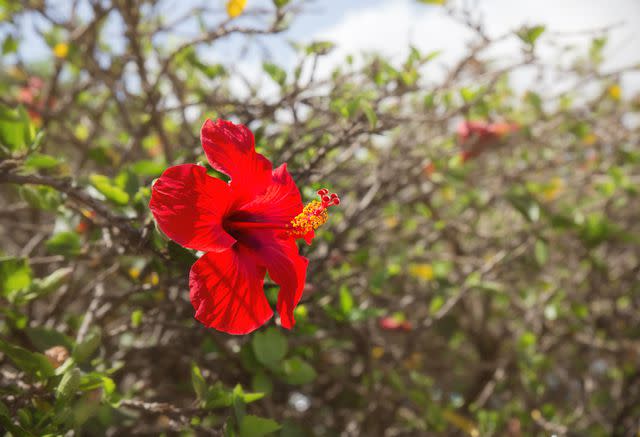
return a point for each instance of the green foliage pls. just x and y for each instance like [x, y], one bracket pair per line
[269, 346]
[17, 134]
[33, 363]
[253, 426]
[276, 73]
[110, 190]
[531, 34]
[65, 243]
[462, 287]
[15, 275]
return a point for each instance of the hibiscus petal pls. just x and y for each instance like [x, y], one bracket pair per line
[188, 206]
[226, 290]
[279, 203]
[230, 149]
[279, 254]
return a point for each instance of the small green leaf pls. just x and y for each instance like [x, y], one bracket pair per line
[281, 3]
[368, 112]
[84, 350]
[436, 304]
[45, 338]
[276, 73]
[254, 426]
[136, 318]
[16, 131]
[246, 398]
[261, 383]
[64, 243]
[218, 396]
[269, 346]
[147, 168]
[541, 252]
[346, 301]
[198, 382]
[9, 45]
[531, 34]
[40, 161]
[320, 47]
[15, 275]
[69, 384]
[109, 190]
[12, 428]
[40, 197]
[297, 371]
[51, 282]
[31, 362]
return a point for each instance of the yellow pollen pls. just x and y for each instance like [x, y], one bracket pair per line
[311, 218]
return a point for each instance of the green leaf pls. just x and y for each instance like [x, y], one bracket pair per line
[368, 112]
[89, 345]
[346, 301]
[291, 429]
[246, 398]
[16, 131]
[147, 168]
[218, 396]
[64, 243]
[276, 73]
[541, 252]
[297, 372]
[40, 197]
[198, 382]
[436, 304]
[40, 161]
[13, 429]
[69, 384]
[15, 275]
[320, 47]
[596, 229]
[31, 362]
[50, 283]
[136, 318]
[109, 190]
[525, 204]
[9, 45]
[261, 383]
[530, 34]
[269, 346]
[280, 3]
[254, 426]
[45, 338]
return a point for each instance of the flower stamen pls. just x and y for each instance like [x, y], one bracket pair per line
[313, 215]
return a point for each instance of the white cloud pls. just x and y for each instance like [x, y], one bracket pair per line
[390, 27]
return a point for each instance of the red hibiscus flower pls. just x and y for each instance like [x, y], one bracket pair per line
[395, 324]
[475, 137]
[246, 228]
[31, 96]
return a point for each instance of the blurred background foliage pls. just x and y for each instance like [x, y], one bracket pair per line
[480, 278]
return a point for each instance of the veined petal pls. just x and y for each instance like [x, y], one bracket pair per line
[279, 254]
[226, 290]
[279, 203]
[230, 149]
[188, 206]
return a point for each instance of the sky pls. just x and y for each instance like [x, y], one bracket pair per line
[390, 26]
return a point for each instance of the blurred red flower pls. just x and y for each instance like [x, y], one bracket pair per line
[475, 137]
[247, 227]
[31, 96]
[395, 324]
